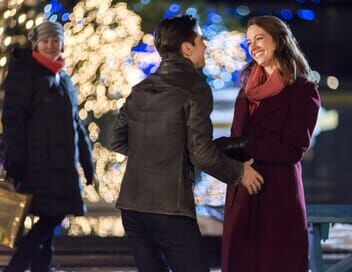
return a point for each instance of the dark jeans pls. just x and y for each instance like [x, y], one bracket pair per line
[35, 249]
[162, 241]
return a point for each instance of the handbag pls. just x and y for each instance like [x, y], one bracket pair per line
[13, 211]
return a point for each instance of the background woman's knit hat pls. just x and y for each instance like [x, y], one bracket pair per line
[45, 30]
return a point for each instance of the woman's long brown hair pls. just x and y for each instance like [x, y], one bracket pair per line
[291, 59]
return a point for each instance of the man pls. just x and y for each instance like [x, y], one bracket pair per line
[165, 130]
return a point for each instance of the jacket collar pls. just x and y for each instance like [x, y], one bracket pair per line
[174, 62]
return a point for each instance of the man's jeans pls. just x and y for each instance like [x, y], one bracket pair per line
[162, 241]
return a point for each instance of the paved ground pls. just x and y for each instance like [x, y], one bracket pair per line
[113, 254]
[104, 269]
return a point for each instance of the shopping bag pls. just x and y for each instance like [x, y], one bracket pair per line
[13, 210]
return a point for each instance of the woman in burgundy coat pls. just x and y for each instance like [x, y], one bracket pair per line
[277, 110]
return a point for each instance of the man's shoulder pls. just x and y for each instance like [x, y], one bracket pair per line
[189, 82]
[142, 84]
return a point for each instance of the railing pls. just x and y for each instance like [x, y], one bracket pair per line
[320, 216]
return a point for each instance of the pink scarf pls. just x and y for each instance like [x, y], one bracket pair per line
[259, 87]
[53, 66]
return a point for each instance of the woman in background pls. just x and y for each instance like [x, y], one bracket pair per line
[276, 110]
[45, 140]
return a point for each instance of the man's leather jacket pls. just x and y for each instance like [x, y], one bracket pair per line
[165, 130]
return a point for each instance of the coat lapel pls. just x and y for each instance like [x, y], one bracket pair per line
[270, 105]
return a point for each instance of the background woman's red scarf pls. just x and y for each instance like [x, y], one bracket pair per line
[53, 66]
[259, 86]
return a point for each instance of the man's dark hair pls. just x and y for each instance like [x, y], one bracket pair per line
[170, 33]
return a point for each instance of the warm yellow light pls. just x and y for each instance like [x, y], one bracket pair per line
[29, 24]
[102, 226]
[7, 14]
[28, 223]
[13, 12]
[98, 43]
[3, 61]
[39, 20]
[7, 41]
[83, 114]
[148, 39]
[332, 82]
[22, 18]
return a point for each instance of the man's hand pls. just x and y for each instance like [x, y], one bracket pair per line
[251, 179]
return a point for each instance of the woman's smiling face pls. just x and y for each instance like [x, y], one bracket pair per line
[261, 46]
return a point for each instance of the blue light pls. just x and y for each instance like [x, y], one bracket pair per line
[286, 14]
[206, 71]
[154, 68]
[57, 8]
[191, 11]
[168, 14]
[145, 2]
[65, 16]
[243, 10]
[147, 68]
[236, 76]
[142, 47]
[202, 210]
[210, 82]
[47, 8]
[53, 18]
[306, 14]
[57, 230]
[226, 76]
[244, 46]
[315, 1]
[214, 18]
[174, 8]
[219, 83]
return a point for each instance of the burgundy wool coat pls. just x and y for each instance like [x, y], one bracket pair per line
[267, 232]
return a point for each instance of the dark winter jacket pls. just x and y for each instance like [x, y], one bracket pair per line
[44, 136]
[165, 130]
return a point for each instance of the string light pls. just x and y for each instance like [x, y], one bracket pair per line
[11, 16]
[99, 38]
[223, 57]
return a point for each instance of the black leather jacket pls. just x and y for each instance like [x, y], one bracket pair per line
[165, 130]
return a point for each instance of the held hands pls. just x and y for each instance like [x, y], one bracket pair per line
[251, 179]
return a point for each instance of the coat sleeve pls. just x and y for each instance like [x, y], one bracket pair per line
[16, 111]
[202, 150]
[119, 134]
[298, 129]
[84, 143]
[85, 150]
